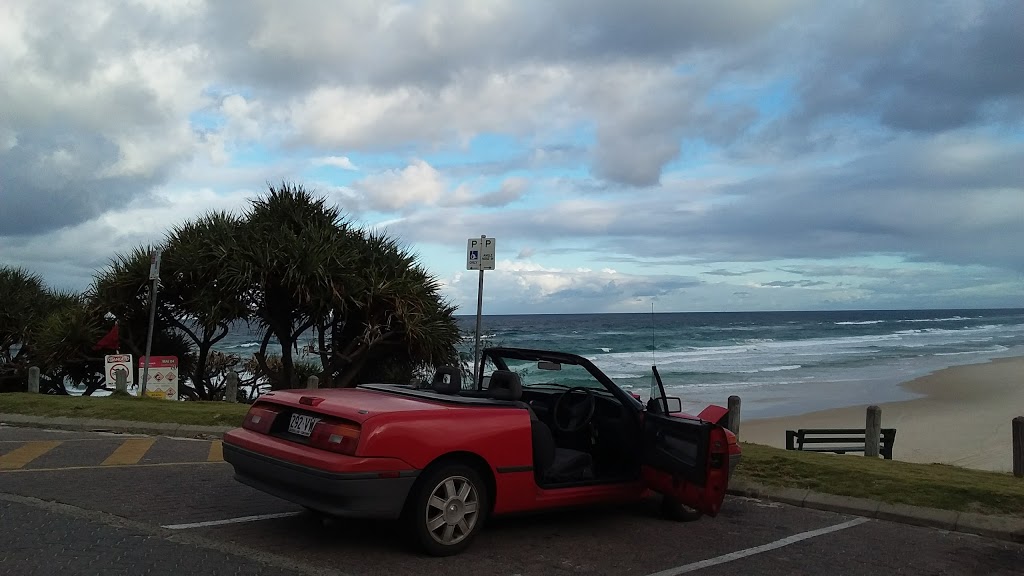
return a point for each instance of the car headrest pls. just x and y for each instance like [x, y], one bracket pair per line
[505, 385]
[447, 380]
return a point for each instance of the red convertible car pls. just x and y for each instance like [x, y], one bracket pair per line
[538, 430]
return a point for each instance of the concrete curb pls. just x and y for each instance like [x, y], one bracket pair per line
[116, 426]
[1010, 528]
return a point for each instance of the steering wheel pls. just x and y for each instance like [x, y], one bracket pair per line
[580, 412]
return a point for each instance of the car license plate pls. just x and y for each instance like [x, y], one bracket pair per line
[302, 424]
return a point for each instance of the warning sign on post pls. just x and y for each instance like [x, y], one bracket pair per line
[480, 254]
[163, 376]
[113, 363]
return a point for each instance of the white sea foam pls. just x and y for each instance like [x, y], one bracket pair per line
[860, 323]
[950, 319]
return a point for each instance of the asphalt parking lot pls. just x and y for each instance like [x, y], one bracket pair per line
[90, 503]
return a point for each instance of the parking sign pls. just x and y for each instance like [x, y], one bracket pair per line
[480, 253]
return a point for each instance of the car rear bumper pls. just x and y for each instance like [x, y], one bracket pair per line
[345, 494]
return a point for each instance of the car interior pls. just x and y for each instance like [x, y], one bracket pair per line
[581, 435]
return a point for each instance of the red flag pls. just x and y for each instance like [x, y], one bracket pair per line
[112, 341]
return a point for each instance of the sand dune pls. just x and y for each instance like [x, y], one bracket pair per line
[963, 419]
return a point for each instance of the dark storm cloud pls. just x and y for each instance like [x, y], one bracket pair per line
[921, 70]
[91, 115]
[429, 44]
[49, 181]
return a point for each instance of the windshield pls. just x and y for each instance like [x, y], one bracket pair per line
[534, 374]
[537, 370]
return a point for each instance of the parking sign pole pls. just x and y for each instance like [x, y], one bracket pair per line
[154, 275]
[479, 308]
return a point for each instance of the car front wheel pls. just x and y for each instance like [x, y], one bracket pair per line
[448, 509]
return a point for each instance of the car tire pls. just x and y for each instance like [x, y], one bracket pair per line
[447, 509]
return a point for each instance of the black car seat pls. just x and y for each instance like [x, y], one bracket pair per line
[551, 464]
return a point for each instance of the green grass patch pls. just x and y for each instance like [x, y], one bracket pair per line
[124, 408]
[932, 485]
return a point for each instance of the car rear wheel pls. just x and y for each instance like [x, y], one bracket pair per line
[448, 509]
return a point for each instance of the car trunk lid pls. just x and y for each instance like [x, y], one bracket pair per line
[352, 404]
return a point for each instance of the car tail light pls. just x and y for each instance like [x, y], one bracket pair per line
[260, 418]
[335, 436]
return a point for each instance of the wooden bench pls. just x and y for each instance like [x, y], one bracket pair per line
[849, 440]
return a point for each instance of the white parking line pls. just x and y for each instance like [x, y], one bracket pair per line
[759, 549]
[230, 521]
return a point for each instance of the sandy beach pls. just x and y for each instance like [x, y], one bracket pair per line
[963, 419]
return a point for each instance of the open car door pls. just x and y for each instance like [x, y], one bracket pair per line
[683, 458]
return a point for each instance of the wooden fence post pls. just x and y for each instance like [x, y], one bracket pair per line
[873, 432]
[231, 387]
[733, 420]
[1018, 446]
[121, 381]
[33, 379]
[313, 383]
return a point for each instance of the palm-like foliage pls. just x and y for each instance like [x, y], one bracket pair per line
[63, 341]
[290, 265]
[196, 294]
[24, 300]
[292, 262]
[395, 320]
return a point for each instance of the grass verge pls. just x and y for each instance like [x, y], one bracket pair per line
[124, 408]
[932, 485]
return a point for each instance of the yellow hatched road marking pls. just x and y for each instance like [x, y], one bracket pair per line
[113, 466]
[129, 452]
[216, 452]
[23, 455]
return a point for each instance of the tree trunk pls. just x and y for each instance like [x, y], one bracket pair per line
[326, 374]
[199, 376]
[347, 378]
[288, 378]
[261, 359]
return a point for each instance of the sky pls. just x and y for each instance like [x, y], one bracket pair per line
[676, 155]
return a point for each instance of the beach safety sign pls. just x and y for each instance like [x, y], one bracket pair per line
[112, 363]
[163, 376]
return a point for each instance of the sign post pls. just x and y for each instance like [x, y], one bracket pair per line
[154, 275]
[479, 256]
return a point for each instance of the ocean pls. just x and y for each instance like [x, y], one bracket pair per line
[779, 363]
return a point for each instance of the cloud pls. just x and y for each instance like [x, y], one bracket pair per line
[677, 135]
[519, 285]
[793, 283]
[724, 272]
[336, 161]
[95, 109]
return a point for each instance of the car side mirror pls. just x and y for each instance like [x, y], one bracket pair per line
[675, 405]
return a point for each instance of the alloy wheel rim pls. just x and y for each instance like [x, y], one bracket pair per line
[452, 510]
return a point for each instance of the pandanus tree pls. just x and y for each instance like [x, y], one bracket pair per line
[63, 342]
[197, 297]
[291, 263]
[393, 319]
[23, 303]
